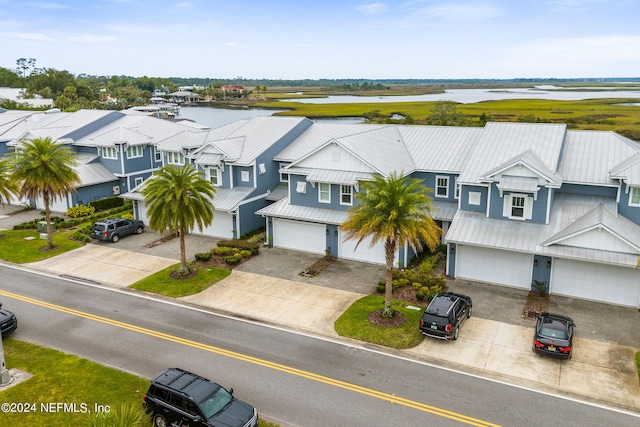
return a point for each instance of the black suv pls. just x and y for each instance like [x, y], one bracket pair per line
[115, 228]
[444, 315]
[8, 322]
[178, 397]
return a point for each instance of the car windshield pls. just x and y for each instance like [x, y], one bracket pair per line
[99, 227]
[554, 329]
[215, 402]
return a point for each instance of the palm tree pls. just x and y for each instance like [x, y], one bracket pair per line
[45, 169]
[394, 210]
[179, 198]
[8, 186]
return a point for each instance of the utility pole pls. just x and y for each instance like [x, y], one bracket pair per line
[5, 376]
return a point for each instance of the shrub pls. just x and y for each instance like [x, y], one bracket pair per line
[224, 251]
[245, 253]
[107, 203]
[427, 266]
[203, 256]
[254, 247]
[380, 287]
[80, 211]
[234, 259]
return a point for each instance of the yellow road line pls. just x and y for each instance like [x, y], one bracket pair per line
[261, 362]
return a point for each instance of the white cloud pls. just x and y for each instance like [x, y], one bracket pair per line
[30, 36]
[90, 38]
[457, 12]
[372, 8]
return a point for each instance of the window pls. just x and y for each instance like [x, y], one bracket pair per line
[109, 152]
[457, 187]
[518, 206]
[284, 177]
[137, 181]
[301, 187]
[346, 195]
[244, 176]
[158, 155]
[215, 176]
[324, 192]
[135, 151]
[474, 198]
[175, 158]
[262, 168]
[442, 186]
[634, 197]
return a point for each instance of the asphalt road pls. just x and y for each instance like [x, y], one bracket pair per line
[293, 379]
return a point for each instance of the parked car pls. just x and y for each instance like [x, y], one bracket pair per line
[554, 335]
[115, 228]
[181, 397]
[444, 315]
[8, 322]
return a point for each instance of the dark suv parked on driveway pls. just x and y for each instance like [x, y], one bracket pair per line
[178, 397]
[115, 228]
[444, 315]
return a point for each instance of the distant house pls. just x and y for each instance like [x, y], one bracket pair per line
[18, 95]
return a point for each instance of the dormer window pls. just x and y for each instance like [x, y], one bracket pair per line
[324, 192]
[109, 152]
[135, 151]
[518, 206]
[442, 186]
[634, 196]
[215, 176]
[175, 158]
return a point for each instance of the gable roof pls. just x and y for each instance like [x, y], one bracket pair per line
[629, 170]
[504, 142]
[599, 218]
[529, 160]
[120, 135]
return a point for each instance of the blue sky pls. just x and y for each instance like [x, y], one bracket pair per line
[439, 39]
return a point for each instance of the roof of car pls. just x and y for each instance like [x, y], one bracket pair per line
[186, 382]
[441, 304]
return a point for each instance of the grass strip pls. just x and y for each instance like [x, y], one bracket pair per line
[162, 283]
[24, 246]
[354, 324]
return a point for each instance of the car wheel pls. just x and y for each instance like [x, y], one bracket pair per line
[139, 230]
[159, 420]
[455, 333]
[115, 238]
[469, 312]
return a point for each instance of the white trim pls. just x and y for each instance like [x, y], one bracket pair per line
[631, 191]
[217, 182]
[301, 187]
[527, 206]
[135, 151]
[110, 153]
[321, 192]
[437, 186]
[342, 193]
[137, 181]
[174, 158]
[244, 176]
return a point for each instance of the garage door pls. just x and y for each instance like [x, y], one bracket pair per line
[300, 236]
[598, 282]
[494, 266]
[59, 205]
[375, 255]
[143, 213]
[222, 226]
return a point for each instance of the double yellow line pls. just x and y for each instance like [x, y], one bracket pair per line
[261, 362]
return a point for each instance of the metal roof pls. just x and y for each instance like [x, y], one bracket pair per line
[120, 135]
[282, 209]
[280, 192]
[589, 156]
[501, 142]
[208, 158]
[227, 200]
[185, 139]
[328, 175]
[530, 160]
[443, 211]
[518, 183]
[94, 173]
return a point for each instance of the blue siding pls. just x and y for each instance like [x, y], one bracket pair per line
[310, 198]
[84, 195]
[237, 174]
[429, 181]
[632, 213]
[589, 190]
[248, 219]
[539, 210]
[138, 163]
[464, 198]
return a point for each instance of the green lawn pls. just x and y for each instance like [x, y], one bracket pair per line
[638, 363]
[14, 246]
[63, 378]
[162, 283]
[354, 324]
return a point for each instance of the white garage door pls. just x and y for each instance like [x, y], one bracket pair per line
[59, 205]
[222, 226]
[494, 266]
[142, 213]
[347, 249]
[598, 282]
[300, 236]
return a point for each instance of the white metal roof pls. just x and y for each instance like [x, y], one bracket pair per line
[227, 200]
[518, 183]
[330, 176]
[503, 141]
[282, 209]
[120, 136]
[589, 156]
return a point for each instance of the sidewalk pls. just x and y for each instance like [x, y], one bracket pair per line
[493, 346]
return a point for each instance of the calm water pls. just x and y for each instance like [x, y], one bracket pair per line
[467, 96]
[216, 117]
